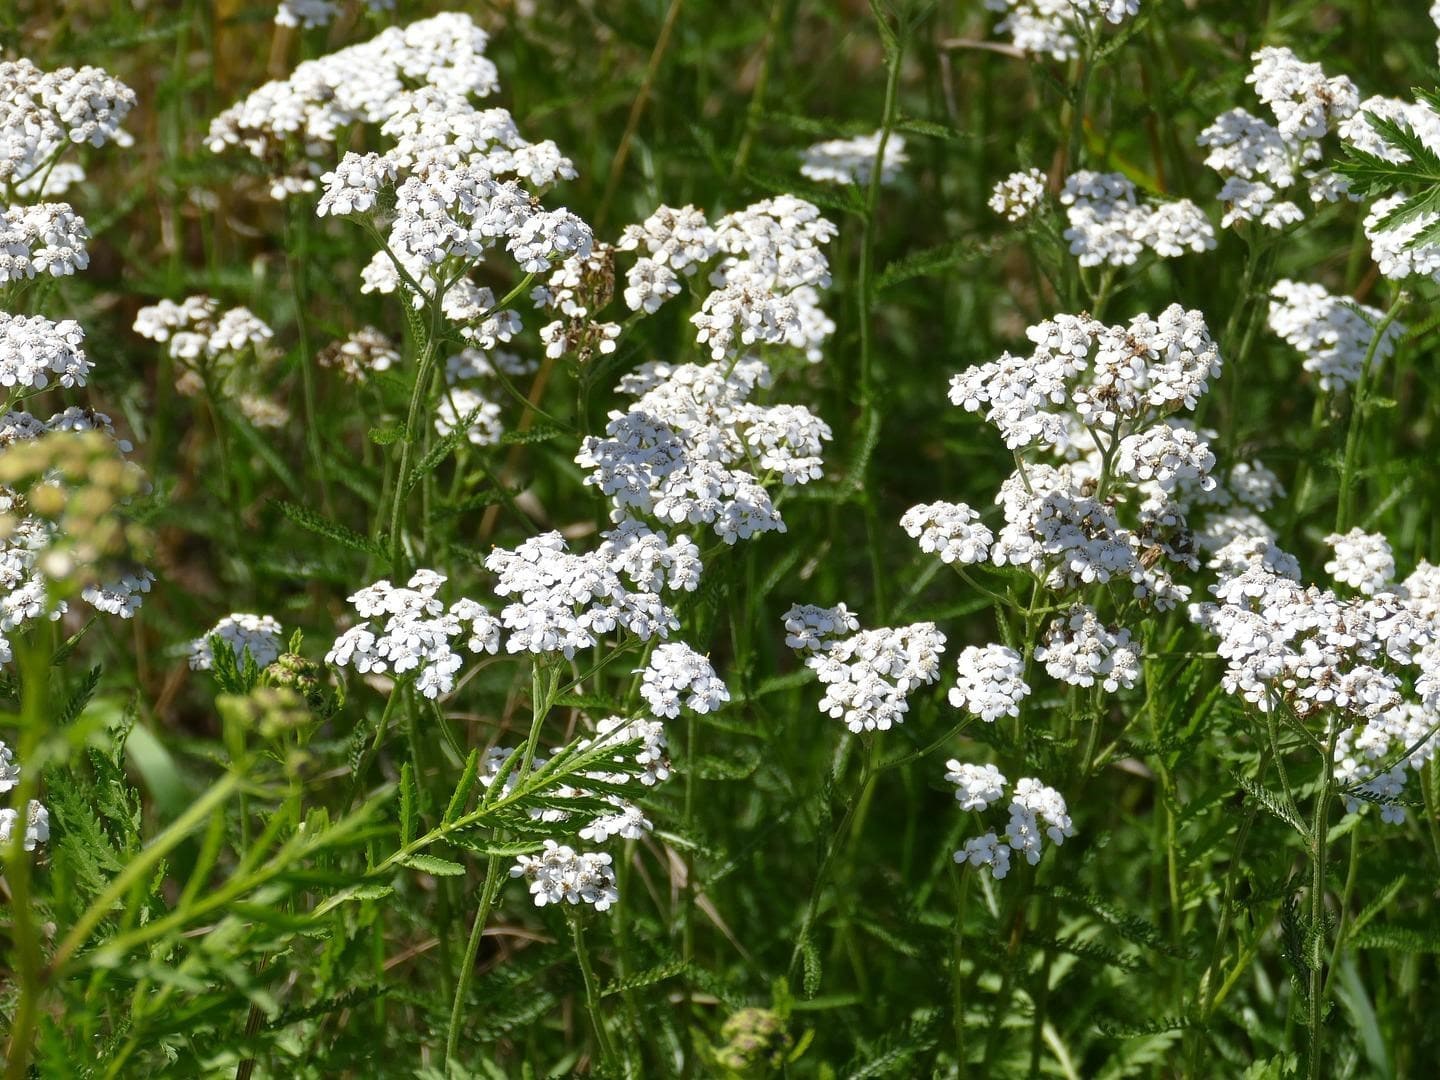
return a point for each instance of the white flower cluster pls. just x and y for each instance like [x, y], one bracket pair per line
[1169, 454]
[1369, 664]
[578, 288]
[1054, 27]
[446, 219]
[991, 682]
[852, 161]
[1113, 410]
[37, 354]
[9, 771]
[766, 286]
[562, 601]
[1102, 399]
[1081, 650]
[809, 627]
[560, 875]
[292, 125]
[1394, 247]
[41, 115]
[1108, 226]
[1333, 334]
[976, 786]
[1373, 763]
[308, 14]
[37, 818]
[259, 635]
[1016, 197]
[1034, 809]
[44, 113]
[1362, 560]
[624, 819]
[1117, 379]
[453, 182]
[677, 675]
[1359, 132]
[765, 282]
[196, 333]
[1105, 396]
[47, 238]
[364, 353]
[25, 598]
[868, 676]
[466, 402]
[674, 453]
[414, 633]
[1261, 161]
[950, 530]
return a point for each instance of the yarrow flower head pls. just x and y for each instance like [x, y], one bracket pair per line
[677, 675]
[48, 238]
[852, 161]
[1333, 334]
[561, 875]
[562, 601]
[949, 530]
[976, 786]
[1108, 226]
[1017, 196]
[409, 630]
[869, 675]
[1053, 27]
[42, 113]
[676, 453]
[1080, 650]
[258, 635]
[809, 627]
[1362, 560]
[37, 818]
[991, 682]
[36, 825]
[1036, 812]
[1259, 160]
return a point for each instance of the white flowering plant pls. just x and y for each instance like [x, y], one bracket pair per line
[676, 539]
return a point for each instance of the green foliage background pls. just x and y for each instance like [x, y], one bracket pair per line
[211, 960]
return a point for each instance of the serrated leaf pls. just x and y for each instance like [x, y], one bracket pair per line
[310, 521]
[80, 698]
[433, 864]
[659, 973]
[460, 798]
[509, 849]
[354, 892]
[535, 434]
[1399, 938]
[940, 257]
[387, 435]
[1272, 804]
[810, 955]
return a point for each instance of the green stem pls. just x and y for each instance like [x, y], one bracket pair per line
[756, 107]
[1352, 872]
[1319, 831]
[488, 892]
[418, 394]
[295, 251]
[957, 976]
[592, 996]
[832, 847]
[1345, 507]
